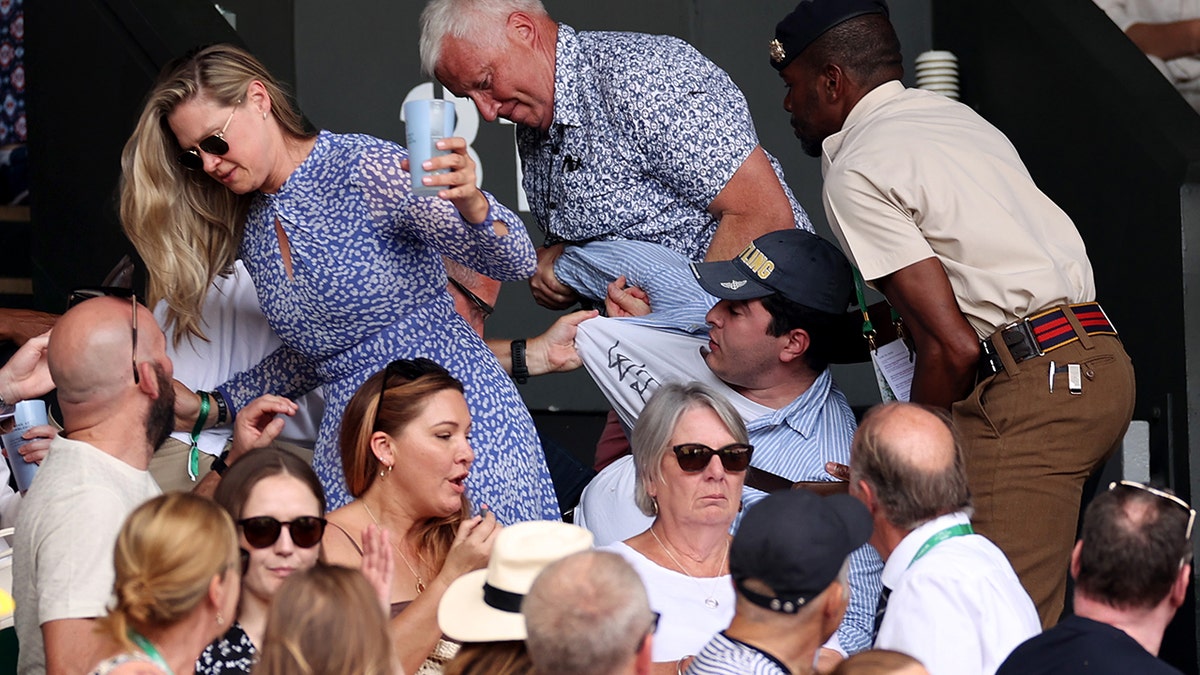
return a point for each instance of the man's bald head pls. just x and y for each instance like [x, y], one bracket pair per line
[91, 355]
[911, 457]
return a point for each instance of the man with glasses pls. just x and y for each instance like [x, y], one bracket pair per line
[950, 598]
[1132, 565]
[108, 359]
[789, 562]
[588, 614]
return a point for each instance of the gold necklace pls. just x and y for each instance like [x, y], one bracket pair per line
[420, 582]
[710, 601]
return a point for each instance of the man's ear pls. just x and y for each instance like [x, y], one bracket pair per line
[833, 83]
[1075, 553]
[521, 28]
[1180, 587]
[798, 342]
[643, 663]
[148, 379]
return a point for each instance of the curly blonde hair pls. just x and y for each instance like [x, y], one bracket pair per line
[186, 226]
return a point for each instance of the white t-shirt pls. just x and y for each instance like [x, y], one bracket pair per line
[959, 609]
[70, 518]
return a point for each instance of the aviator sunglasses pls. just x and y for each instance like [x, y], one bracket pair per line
[263, 531]
[213, 145]
[80, 294]
[1132, 485]
[694, 457]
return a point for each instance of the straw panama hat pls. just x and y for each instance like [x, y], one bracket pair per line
[485, 605]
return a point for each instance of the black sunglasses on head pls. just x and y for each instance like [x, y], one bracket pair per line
[80, 294]
[264, 531]
[409, 369]
[694, 457]
[213, 145]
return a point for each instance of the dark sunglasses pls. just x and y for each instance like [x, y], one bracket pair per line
[80, 294]
[482, 306]
[213, 145]
[654, 617]
[694, 457]
[409, 369]
[263, 531]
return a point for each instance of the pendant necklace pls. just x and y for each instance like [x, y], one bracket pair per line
[710, 601]
[420, 582]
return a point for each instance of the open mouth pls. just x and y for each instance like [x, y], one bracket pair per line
[459, 483]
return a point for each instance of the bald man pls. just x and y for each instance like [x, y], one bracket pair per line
[115, 391]
[950, 597]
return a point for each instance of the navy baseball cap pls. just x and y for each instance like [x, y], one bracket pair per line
[796, 542]
[810, 20]
[796, 264]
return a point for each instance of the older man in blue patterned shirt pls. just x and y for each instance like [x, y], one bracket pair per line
[621, 135]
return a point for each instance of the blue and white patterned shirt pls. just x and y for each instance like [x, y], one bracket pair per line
[646, 133]
[725, 656]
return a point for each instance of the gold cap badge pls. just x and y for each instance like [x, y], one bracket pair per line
[777, 52]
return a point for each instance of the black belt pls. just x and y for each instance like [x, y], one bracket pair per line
[1042, 333]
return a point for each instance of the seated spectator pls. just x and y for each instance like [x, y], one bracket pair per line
[691, 453]
[24, 376]
[1166, 33]
[588, 614]
[327, 620]
[789, 562]
[176, 589]
[279, 507]
[117, 400]
[1132, 565]
[951, 598]
[411, 416]
[482, 609]
[238, 338]
[880, 662]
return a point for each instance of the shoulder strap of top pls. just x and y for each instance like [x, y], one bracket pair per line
[353, 543]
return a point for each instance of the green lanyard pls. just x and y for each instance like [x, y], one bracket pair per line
[148, 648]
[960, 530]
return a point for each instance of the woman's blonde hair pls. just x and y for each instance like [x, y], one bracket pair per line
[509, 657]
[326, 621]
[410, 385]
[186, 226]
[166, 556]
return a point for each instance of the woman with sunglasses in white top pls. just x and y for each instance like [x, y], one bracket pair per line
[690, 453]
[276, 501]
[346, 259]
[406, 446]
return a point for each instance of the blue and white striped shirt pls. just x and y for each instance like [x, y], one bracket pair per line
[725, 656]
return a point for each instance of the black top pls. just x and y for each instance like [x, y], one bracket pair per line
[233, 652]
[1079, 645]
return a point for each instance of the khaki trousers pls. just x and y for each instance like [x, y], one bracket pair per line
[169, 464]
[1029, 452]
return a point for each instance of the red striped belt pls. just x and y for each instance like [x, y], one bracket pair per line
[1041, 333]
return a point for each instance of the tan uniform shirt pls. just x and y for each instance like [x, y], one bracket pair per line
[913, 175]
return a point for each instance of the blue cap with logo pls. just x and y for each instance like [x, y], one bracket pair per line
[797, 264]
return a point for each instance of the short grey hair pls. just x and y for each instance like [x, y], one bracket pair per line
[656, 424]
[483, 20]
[586, 614]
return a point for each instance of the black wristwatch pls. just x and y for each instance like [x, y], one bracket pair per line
[520, 371]
[219, 466]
